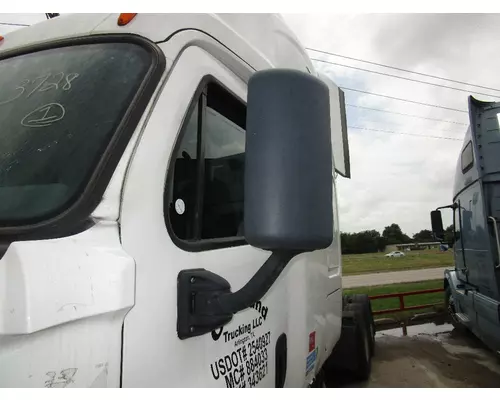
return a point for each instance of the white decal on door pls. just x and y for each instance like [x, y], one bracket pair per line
[180, 207]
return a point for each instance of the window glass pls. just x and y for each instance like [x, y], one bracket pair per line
[223, 137]
[207, 200]
[467, 157]
[183, 198]
[59, 109]
[224, 172]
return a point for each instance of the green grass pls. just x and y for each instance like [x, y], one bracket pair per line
[355, 264]
[415, 300]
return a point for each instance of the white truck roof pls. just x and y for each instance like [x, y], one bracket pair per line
[273, 40]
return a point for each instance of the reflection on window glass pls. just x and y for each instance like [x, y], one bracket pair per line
[224, 171]
[183, 199]
[223, 137]
[215, 188]
[467, 157]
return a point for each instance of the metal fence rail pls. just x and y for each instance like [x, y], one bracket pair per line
[402, 307]
[401, 297]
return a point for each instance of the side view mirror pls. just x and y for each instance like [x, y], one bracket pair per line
[288, 164]
[437, 225]
[288, 194]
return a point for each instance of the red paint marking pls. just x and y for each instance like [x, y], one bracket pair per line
[312, 341]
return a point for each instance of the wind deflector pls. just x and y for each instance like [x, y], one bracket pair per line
[338, 120]
[485, 131]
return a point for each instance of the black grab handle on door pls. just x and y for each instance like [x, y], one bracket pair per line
[281, 360]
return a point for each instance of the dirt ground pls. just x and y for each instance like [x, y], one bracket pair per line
[430, 357]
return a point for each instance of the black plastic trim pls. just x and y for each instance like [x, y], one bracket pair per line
[197, 245]
[205, 301]
[200, 155]
[76, 217]
[193, 284]
[3, 249]
[122, 337]
[332, 292]
[343, 121]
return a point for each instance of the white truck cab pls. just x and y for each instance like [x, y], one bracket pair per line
[168, 213]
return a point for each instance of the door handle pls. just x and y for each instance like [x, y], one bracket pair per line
[281, 360]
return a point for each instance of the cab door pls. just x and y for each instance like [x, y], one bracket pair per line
[182, 208]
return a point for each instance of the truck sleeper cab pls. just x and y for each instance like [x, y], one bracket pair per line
[156, 228]
[473, 286]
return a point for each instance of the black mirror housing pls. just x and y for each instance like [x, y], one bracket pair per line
[437, 225]
[288, 162]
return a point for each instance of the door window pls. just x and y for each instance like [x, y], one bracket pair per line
[204, 200]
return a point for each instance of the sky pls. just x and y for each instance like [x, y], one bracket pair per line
[396, 178]
[400, 178]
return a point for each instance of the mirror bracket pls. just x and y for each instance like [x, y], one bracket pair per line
[205, 301]
[452, 206]
[192, 286]
[437, 223]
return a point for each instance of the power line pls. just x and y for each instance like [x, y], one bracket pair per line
[405, 100]
[403, 70]
[12, 24]
[367, 121]
[407, 115]
[402, 133]
[404, 78]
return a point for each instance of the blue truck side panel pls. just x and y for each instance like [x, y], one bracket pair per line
[475, 282]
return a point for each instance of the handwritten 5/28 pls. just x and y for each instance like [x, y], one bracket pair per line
[56, 81]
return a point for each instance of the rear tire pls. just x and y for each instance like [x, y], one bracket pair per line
[365, 303]
[363, 352]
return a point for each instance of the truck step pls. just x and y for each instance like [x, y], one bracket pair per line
[463, 318]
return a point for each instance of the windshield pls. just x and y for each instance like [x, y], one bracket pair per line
[59, 109]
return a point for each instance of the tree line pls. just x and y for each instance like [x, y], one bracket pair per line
[372, 241]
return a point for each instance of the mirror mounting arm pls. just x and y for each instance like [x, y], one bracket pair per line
[452, 206]
[205, 301]
[255, 288]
